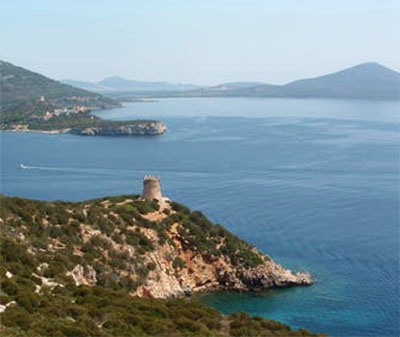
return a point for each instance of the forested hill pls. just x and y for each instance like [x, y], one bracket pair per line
[24, 91]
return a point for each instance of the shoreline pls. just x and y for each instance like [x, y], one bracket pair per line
[135, 128]
[49, 132]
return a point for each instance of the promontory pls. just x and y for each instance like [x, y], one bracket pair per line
[123, 265]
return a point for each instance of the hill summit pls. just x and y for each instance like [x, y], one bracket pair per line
[364, 81]
[370, 81]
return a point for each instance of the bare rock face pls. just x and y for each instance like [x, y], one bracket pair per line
[220, 275]
[83, 275]
[204, 273]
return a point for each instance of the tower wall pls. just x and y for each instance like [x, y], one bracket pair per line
[151, 188]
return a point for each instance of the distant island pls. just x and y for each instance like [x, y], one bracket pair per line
[136, 255]
[32, 102]
[367, 81]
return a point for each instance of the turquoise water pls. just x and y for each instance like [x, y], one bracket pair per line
[313, 183]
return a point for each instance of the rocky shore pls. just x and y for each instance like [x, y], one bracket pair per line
[204, 272]
[138, 128]
[203, 275]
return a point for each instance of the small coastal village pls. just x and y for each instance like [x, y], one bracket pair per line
[55, 112]
[45, 111]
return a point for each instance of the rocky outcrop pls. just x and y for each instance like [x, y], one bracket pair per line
[138, 128]
[203, 273]
[83, 275]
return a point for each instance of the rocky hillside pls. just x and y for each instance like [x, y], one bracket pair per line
[79, 259]
[154, 249]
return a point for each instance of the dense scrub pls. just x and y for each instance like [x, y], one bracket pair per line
[101, 312]
[98, 311]
[54, 232]
[199, 232]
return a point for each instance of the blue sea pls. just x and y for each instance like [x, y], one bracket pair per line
[312, 183]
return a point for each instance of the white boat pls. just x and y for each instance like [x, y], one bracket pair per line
[22, 166]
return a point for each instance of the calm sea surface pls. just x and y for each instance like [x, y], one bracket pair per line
[313, 183]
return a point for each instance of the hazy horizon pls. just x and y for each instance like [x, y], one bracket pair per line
[199, 42]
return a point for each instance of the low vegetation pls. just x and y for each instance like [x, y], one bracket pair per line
[99, 233]
[100, 312]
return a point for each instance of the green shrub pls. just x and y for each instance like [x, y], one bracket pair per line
[16, 316]
[138, 240]
[9, 287]
[178, 263]
[177, 207]
[188, 325]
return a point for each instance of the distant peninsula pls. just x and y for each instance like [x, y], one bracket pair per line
[32, 102]
[85, 124]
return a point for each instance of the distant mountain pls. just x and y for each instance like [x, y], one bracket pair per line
[25, 92]
[232, 86]
[119, 84]
[90, 86]
[364, 81]
[233, 89]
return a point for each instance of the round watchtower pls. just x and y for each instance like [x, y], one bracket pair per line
[151, 188]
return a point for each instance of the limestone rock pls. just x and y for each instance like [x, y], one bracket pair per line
[83, 275]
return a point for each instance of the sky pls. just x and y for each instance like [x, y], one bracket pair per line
[204, 42]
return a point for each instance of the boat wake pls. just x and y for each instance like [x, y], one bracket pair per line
[113, 171]
[22, 166]
[69, 169]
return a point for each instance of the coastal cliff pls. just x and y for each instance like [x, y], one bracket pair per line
[183, 267]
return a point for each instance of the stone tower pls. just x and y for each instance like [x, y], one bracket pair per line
[151, 188]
